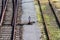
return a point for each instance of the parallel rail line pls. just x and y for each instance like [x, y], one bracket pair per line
[4, 6]
[14, 17]
[58, 23]
[14, 20]
[56, 18]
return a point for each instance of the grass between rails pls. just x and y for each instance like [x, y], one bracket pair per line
[53, 30]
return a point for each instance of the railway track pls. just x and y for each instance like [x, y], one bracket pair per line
[44, 13]
[57, 20]
[9, 18]
[4, 4]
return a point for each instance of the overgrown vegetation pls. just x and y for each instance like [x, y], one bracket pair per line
[53, 30]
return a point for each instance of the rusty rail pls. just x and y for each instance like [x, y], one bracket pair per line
[14, 20]
[4, 6]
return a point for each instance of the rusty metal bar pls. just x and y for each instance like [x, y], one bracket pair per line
[4, 6]
[14, 20]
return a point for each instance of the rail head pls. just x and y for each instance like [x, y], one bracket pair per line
[3, 10]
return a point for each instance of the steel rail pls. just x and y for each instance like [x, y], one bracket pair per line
[4, 6]
[57, 21]
[45, 27]
[14, 20]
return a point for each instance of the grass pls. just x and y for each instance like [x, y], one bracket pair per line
[53, 30]
[39, 18]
